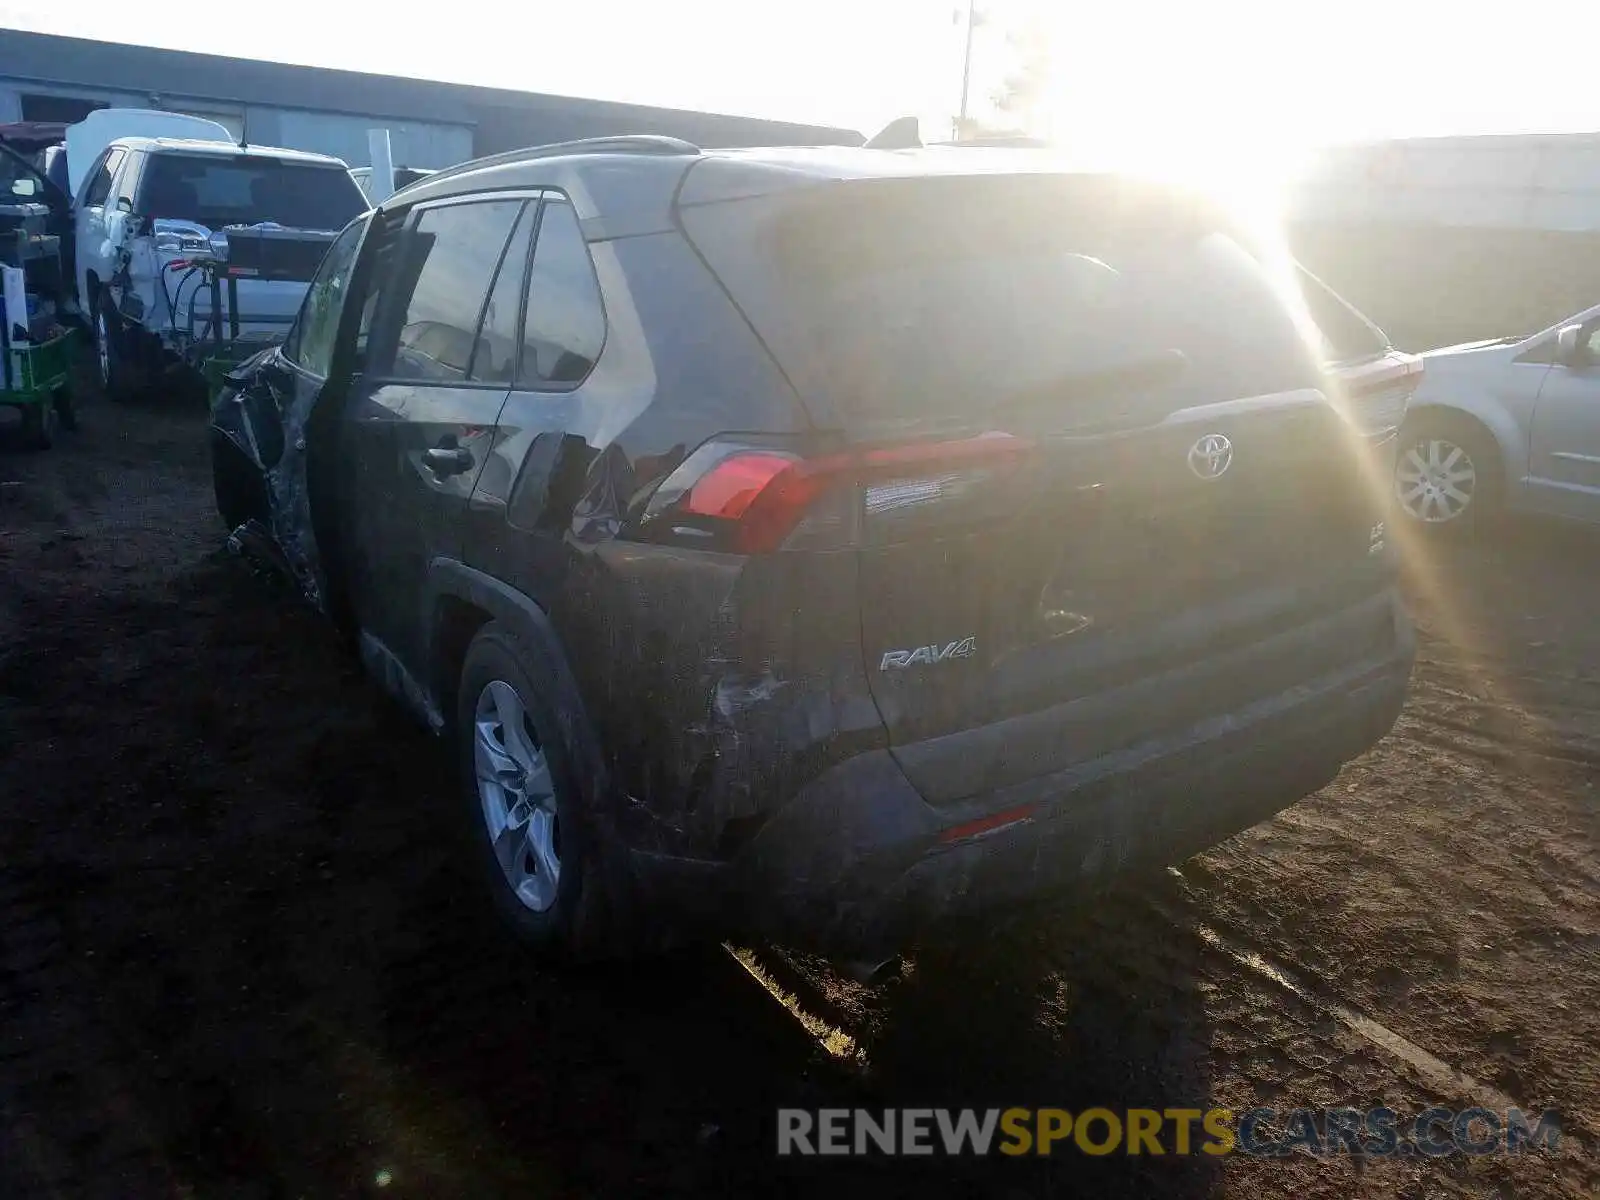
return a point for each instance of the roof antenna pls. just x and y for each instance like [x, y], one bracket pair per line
[903, 133]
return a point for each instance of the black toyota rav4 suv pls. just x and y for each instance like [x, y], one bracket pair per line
[825, 543]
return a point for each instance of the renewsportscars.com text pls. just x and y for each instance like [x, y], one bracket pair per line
[1259, 1132]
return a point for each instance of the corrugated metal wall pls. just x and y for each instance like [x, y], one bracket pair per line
[1449, 239]
[412, 143]
[415, 143]
[1543, 182]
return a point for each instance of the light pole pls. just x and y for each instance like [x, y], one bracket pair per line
[966, 68]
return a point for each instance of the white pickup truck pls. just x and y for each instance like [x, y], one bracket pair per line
[145, 204]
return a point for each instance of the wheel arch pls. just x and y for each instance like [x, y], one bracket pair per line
[1500, 433]
[461, 600]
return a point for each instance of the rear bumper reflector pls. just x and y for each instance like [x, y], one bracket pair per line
[993, 823]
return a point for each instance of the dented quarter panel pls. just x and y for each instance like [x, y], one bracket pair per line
[715, 693]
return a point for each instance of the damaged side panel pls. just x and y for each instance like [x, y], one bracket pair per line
[270, 424]
[262, 415]
[729, 693]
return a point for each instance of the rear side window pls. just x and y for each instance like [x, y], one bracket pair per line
[98, 190]
[565, 324]
[217, 191]
[495, 359]
[965, 302]
[452, 254]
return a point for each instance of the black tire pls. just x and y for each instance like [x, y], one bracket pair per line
[1487, 494]
[579, 924]
[66, 413]
[122, 380]
[39, 422]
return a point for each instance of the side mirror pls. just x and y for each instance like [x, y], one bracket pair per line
[1571, 348]
[124, 204]
[24, 188]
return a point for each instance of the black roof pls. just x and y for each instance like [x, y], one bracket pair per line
[504, 117]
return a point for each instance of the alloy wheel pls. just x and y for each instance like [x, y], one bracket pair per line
[102, 345]
[516, 792]
[1435, 480]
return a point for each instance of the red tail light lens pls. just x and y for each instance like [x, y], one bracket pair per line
[727, 489]
[749, 500]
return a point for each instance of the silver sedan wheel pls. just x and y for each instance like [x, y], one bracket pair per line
[517, 795]
[102, 341]
[1435, 480]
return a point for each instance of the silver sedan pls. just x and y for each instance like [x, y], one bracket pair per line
[1512, 423]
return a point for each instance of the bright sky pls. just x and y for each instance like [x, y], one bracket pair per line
[1171, 78]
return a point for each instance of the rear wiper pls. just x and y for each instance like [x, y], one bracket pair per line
[1078, 386]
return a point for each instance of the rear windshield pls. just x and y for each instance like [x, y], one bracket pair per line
[953, 301]
[249, 190]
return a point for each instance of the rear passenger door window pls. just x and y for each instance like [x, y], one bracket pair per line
[452, 254]
[494, 360]
[565, 323]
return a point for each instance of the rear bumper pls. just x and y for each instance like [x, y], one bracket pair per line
[858, 862]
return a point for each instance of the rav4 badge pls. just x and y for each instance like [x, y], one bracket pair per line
[927, 655]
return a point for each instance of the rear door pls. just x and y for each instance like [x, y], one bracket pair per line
[423, 419]
[1102, 455]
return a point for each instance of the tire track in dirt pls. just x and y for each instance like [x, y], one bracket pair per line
[1084, 1014]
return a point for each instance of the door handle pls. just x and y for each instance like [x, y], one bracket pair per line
[448, 460]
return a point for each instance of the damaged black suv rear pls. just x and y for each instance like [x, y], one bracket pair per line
[823, 544]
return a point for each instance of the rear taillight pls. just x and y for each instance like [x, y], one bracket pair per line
[749, 499]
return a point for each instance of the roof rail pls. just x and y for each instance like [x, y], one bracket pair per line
[630, 143]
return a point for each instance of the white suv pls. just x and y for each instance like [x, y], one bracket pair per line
[148, 204]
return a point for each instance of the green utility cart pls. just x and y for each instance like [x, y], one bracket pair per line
[36, 349]
[38, 384]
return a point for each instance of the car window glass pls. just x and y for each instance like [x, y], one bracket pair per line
[16, 180]
[565, 324]
[99, 187]
[246, 189]
[495, 359]
[1082, 300]
[310, 343]
[452, 254]
[384, 253]
[124, 183]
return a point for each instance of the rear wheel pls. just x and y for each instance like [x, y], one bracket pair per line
[1446, 475]
[39, 424]
[532, 846]
[61, 400]
[120, 379]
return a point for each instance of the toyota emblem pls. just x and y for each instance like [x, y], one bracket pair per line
[1211, 456]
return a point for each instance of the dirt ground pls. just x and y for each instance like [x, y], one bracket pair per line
[237, 957]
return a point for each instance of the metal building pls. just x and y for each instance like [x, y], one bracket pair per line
[1546, 182]
[48, 78]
